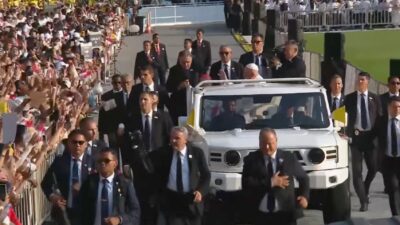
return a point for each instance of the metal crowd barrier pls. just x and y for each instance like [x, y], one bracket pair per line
[34, 207]
[196, 13]
[338, 19]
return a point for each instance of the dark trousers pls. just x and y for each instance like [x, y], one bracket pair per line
[391, 176]
[370, 156]
[161, 76]
[276, 218]
[64, 217]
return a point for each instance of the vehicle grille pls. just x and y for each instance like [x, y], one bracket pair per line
[215, 157]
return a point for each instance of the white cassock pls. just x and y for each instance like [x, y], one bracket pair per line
[396, 12]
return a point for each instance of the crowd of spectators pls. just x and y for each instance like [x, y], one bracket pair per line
[49, 80]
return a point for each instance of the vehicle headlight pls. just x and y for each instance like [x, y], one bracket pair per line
[232, 158]
[316, 156]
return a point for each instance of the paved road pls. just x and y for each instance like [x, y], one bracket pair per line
[217, 34]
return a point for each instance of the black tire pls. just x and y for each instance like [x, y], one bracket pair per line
[336, 206]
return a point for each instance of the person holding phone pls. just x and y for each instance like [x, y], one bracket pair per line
[268, 183]
[182, 178]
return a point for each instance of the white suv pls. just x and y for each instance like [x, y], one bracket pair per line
[229, 114]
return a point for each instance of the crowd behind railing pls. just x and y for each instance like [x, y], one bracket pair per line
[52, 67]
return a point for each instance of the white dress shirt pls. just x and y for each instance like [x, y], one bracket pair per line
[263, 204]
[151, 87]
[358, 118]
[110, 188]
[228, 76]
[185, 171]
[79, 161]
[389, 136]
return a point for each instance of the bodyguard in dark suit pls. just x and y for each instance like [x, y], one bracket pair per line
[394, 86]
[183, 178]
[145, 58]
[113, 112]
[257, 56]
[161, 56]
[364, 109]
[155, 127]
[226, 68]
[389, 141]
[268, 183]
[147, 84]
[181, 76]
[292, 64]
[202, 51]
[335, 97]
[67, 173]
[106, 197]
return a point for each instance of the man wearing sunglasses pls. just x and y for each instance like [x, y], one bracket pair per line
[108, 198]
[226, 68]
[113, 111]
[393, 86]
[257, 56]
[63, 179]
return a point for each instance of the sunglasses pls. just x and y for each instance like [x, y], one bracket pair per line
[256, 42]
[79, 142]
[116, 82]
[224, 53]
[394, 83]
[105, 161]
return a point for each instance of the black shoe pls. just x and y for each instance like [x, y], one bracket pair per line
[364, 207]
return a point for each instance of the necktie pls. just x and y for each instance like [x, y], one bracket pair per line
[179, 183]
[104, 202]
[75, 180]
[257, 61]
[393, 137]
[364, 122]
[147, 88]
[158, 49]
[226, 71]
[334, 103]
[271, 196]
[146, 132]
[125, 97]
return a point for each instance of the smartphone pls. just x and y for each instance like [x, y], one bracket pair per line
[3, 191]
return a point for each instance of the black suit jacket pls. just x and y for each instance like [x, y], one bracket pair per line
[199, 177]
[294, 68]
[109, 120]
[374, 108]
[162, 58]
[61, 168]
[161, 126]
[178, 97]
[142, 60]
[236, 70]
[125, 203]
[341, 100]
[202, 54]
[248, 57]
[134, 97]
[255, 183]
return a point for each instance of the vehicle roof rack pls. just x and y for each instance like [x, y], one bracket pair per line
[300, 80]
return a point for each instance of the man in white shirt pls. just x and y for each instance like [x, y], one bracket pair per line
[335, 97]
[107, 198]
[363, 108]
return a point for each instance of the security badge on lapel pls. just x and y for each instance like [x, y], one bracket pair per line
[356, 132]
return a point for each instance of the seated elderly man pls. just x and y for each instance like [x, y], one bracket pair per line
[251, 72]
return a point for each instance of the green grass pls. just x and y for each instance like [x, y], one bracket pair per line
[367, 50]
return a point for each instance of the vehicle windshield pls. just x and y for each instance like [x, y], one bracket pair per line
[254, 112]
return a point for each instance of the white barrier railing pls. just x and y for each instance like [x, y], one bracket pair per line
[185, 14]
[345, 18]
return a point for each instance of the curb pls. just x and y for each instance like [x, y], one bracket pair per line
[242, 42]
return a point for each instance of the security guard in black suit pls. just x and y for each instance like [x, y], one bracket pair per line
[389, 140]
[364, 109]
